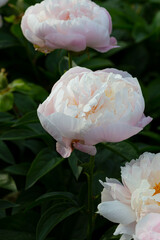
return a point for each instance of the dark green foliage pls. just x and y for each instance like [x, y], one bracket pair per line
[42, 195]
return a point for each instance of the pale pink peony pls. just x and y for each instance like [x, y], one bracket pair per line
[85, 108]
[68, 24]
[138, 196]
[148, 228]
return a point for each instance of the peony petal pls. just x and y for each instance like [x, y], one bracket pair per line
[117, 212]
[148, 228]
[125, 237]
[114, 132]
[106, 195]
[125, 229]
[59, 125]
[113, 44]
[119, 192]
[91, 150]
[144, 121]
[65, 152]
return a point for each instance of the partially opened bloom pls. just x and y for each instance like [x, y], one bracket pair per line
[85, 108]
[68, 24]
[148, 228]
[138, 196]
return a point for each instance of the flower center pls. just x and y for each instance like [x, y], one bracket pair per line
[156, 188]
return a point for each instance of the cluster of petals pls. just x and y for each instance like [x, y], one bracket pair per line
[85, 108]
[135, 204]
[148, 228]
[68, 24]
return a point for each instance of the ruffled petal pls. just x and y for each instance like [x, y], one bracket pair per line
[117, 212]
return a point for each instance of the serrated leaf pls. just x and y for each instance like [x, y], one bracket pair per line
[45, 161]
[52, 217]
[5, 153]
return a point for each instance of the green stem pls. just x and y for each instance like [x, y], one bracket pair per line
[69, 60]
[90, 198]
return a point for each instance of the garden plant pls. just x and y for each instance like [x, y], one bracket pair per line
[79, 119]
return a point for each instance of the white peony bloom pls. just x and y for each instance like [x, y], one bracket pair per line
[68, 24]
[138, 196]
[85, 108]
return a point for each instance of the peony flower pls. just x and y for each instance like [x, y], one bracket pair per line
[68, 24]
[3, 2]
[148, 228]
[139, 195]
[85, 108]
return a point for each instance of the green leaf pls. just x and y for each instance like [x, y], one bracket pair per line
[18, 134]
[98, 63]
[73, 162]
[7, 40]
[18, 169]
[152, 135]
[30, 117]
[18, 235]
[24, 103]
[10, 19]
[109, 234]
[122, 148]
[19, 85]
[44, 162]
[17, 32]
[52, 217]
[63, 65]
[5, 153]
[60, 196]
[6, 117]
[6, 204]
[7, 182]
[141, 31]
[156, 21]
[6, 101]
[36, 92]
